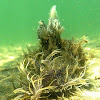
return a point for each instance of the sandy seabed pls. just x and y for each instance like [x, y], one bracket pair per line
[9, 56]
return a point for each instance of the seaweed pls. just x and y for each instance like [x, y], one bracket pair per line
[56, 69]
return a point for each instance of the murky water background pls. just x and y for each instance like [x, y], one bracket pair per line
[19, 22]
[19, 18]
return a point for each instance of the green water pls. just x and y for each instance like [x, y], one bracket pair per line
[19, 21]
[19, 18]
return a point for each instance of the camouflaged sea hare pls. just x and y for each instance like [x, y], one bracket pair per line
[56, 69]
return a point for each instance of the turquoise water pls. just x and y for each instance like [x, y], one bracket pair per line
[19, 18]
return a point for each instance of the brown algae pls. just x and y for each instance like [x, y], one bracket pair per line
[56, 70]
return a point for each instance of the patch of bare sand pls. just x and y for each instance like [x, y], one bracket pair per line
[94, 77]
[9, 53]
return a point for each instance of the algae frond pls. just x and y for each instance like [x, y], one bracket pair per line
[56, 70]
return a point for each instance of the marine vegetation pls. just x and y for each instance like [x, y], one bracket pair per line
[56, 69]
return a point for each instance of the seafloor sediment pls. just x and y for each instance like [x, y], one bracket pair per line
[57, 69]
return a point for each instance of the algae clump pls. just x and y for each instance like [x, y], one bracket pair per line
[56, 69]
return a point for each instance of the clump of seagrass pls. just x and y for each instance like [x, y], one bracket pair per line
[56, 69]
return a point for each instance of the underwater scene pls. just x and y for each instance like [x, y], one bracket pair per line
[49, 49]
